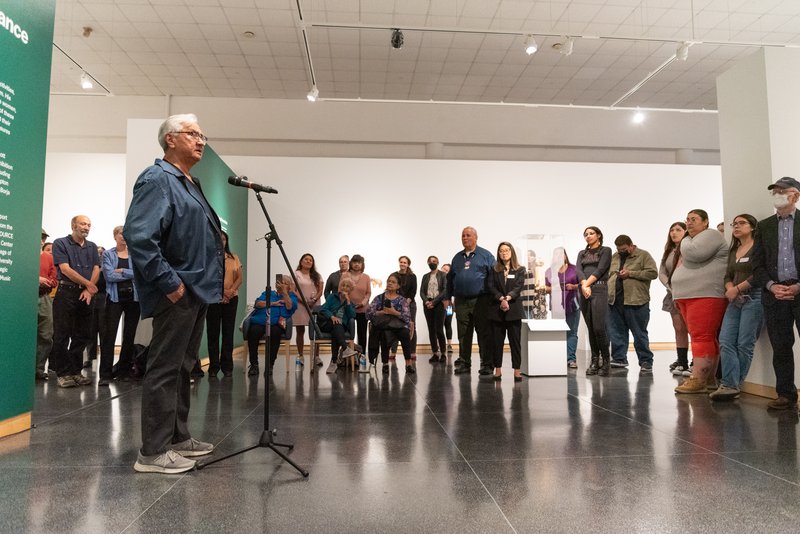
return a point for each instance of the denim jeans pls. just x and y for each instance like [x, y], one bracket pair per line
[573, 321]
[737, 338]
[623, 318]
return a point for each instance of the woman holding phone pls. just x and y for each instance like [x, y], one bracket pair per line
[390, 320]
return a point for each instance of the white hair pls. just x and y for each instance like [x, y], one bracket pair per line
[173, 124]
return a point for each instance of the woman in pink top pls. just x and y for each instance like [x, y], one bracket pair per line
[310, 285]
[360, 294]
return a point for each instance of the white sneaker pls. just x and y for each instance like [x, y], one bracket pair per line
[678, 370]
[348, 352]
[331, 368]
[169, 463]
[193, 447]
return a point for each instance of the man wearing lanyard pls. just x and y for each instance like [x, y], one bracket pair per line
[466, 286]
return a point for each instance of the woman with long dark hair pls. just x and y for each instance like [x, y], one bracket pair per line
[568, 296]
[743, 316]
[310, 285]
[698, 291]
[390, 320]
[221, 317]
[592, 268]
[504, 284]
[668, 261]
[408, 288]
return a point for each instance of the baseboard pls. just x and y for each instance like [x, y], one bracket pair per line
[759, 390]
[14, 425]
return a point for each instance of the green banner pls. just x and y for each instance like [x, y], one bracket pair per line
[26, 47]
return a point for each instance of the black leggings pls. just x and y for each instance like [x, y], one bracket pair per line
[338, 336]
[435, 319]
[595, 314]
[254, 336]
[385, 337]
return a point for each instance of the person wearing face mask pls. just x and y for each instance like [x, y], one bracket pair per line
[432, 293]
[629, 278]
[698, 291]
[776, 270]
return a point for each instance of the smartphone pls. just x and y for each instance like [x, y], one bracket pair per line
[278, 278]
[387, 303]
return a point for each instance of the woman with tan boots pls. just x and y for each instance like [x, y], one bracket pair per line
[698, 291]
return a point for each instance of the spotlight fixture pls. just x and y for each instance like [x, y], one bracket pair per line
[565, 48]
[397, 39]
[682, 52]
[313, 94]
[638, 117]
[86, 81]
[530, 45]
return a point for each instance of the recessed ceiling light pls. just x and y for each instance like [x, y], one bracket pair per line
[86, 81]
[248, 35]
[530, 45]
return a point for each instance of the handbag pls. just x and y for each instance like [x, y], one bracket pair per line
[386, 322]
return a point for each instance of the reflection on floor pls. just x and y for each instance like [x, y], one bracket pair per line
[414, 453]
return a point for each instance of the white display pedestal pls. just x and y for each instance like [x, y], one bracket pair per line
[544, 347]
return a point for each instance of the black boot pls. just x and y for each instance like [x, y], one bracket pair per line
[605, 364]
[592, 369]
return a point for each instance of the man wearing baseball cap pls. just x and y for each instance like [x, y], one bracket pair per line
[776, 268]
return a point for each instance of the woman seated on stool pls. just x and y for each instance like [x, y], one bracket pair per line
[390, 320]
[282, 305]
[334, 319]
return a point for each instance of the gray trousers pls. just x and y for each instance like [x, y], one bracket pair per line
[44, 337]
[177, 332]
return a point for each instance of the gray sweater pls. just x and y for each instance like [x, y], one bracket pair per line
[701, 272]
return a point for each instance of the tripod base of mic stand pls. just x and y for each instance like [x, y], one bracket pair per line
[267, 442]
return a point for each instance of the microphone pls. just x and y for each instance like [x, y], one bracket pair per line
[241, 181]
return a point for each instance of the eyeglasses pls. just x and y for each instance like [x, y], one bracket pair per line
[734, 224]
[197, 136]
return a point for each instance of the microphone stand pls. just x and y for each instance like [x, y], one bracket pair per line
[267, 435]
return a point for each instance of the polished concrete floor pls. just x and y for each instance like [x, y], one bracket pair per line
[430, 452]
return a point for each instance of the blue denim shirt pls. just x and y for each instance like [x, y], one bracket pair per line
[468, 273]
[110, 262]
[173, 235]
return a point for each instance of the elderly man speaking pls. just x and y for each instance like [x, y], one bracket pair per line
[175, 243]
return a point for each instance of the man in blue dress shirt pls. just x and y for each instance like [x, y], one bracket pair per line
[174, 239]
[466, 284]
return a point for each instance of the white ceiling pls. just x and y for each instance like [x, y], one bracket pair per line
[476, 54]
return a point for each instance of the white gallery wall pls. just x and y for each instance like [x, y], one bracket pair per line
[386, 208]
[84, 184]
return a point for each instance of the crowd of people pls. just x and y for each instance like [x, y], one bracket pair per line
[172, 262]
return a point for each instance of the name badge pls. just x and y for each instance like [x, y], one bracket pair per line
[510, 276]
[744, 259]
